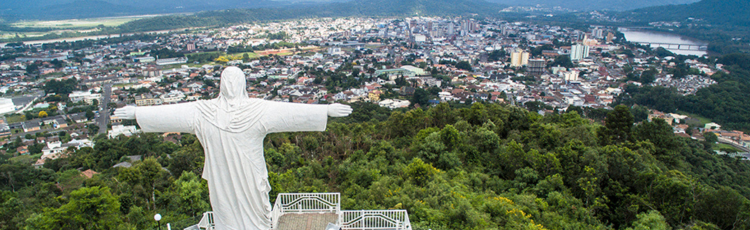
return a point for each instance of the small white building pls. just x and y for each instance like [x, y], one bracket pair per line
[415, 70]
[6, 105]
[712, 125]
[54, 149]
[172, 61]
[420, 38]
[118, 130]
[394, 103]
[86, 96]
[173, 96]
[335, 51]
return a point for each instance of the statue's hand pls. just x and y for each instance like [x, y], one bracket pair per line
[125, 113]
[339, 110]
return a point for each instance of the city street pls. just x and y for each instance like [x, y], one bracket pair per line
[103, 118]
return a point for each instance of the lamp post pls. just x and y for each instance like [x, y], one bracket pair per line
[157, 218]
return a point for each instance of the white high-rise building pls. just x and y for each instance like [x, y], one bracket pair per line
[598, 33]
[579, 52]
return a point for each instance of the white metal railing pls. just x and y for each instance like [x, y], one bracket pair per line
[309, 202]
[304, 203]
[329, 203]
[207, 222]
[374, 219]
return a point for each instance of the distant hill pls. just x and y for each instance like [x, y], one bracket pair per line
[86, 9]
[68, 9]
[717, 21]
[733, 13]
[367, 8]
[617, 5]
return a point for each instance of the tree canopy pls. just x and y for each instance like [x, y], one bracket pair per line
[483, 166]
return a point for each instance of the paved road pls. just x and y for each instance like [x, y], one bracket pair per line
[103, 118]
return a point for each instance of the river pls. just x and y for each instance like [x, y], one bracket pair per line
[661, 37]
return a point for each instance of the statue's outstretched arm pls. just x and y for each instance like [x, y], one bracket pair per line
[162, 118]
[295, 117]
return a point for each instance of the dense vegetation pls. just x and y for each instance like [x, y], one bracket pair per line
[486, 166]
[724, 102]
[725, 13]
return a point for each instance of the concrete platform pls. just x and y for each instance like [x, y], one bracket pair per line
[306, 221]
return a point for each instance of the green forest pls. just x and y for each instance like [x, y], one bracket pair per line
[724, 102]
[452, 166]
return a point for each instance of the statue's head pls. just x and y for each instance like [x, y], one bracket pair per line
[233, 84]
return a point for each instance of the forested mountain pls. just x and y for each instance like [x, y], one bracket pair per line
[365, 8]
[595, 4]
[45, 9]
[67, 9]
[484, 166]
[715, 12]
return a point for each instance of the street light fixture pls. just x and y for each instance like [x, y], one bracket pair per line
[157, 217]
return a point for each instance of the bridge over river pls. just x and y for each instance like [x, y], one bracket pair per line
[675, 46]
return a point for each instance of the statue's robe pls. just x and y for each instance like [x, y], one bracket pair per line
[231, 129]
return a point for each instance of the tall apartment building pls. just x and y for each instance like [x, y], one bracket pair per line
[519, 58]
[536, 66]
[579, 52]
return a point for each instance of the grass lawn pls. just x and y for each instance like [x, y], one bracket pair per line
[252, 55]
[25, 159]
[189, 64]
[211, 52]
[237, 56]
[373, 46]
[696, 116]
[79, 23]
[720, 146]
[311, 48]
[55, 74]
[306, 54]
[15, 118]
[121, 85]
[59, 26]
[4, 35]
[285, 53]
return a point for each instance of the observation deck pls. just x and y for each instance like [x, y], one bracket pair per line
[317, 211]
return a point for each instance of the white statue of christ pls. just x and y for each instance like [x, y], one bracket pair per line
[231, 129]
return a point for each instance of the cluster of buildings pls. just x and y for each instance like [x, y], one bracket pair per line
[681, 126]
[459, 59]
[686, 85]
